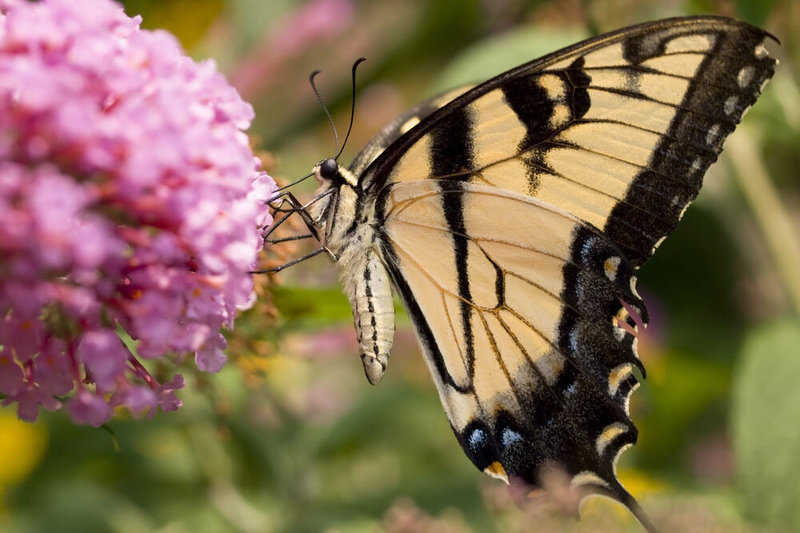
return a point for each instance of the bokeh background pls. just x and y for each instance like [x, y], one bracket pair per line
[289, 437]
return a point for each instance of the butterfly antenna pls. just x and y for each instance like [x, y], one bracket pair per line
[292, 184]
[324, 107]
[352, 106]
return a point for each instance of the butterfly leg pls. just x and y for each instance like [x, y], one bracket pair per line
[295, 207]
[287, 197]
[290, 263]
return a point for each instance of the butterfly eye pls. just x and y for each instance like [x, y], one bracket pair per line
[328, 169]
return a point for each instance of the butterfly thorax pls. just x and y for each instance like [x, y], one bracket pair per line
[359, 261]
[334, 212]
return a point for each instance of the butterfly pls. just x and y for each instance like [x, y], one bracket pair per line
[511, 218]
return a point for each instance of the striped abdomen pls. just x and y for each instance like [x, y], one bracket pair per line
[363, 275]
[373, 313]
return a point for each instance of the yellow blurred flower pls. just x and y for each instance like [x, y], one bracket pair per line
[22, 446]
[188, 20]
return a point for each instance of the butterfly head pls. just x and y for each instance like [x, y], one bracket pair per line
[328, 171]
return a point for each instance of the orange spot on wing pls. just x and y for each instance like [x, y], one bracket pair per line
[496, 470]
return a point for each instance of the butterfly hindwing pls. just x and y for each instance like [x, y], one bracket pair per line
[518, 327]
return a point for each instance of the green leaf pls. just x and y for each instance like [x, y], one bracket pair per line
[324, 305]
[766, 424]
[500, 53]
[754, 11]
[683, 398]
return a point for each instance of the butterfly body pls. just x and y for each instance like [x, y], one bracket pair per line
[511, 218]
[362, 270]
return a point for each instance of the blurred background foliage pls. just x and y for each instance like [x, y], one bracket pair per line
[289, 437]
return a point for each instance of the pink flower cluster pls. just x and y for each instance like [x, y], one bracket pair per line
[130, 208]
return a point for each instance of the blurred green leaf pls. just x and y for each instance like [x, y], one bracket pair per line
[188, 20]
[754, 11]
[693, 280]
[766, 424]
[686, 389]
[320, 304]
[494, 55]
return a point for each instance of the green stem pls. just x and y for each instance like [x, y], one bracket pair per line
[773, 220]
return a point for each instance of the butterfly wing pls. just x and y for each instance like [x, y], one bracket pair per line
[522, 326]
[400, 126]
[514, 217]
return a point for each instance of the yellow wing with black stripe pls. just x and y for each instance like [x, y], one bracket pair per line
[512, 217]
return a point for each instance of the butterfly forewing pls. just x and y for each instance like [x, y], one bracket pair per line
[512, 219]
[624, 125]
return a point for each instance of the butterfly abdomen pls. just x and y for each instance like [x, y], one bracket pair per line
[368, 288]
[362, 271]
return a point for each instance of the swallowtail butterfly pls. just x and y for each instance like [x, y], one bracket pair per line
[511, 217]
